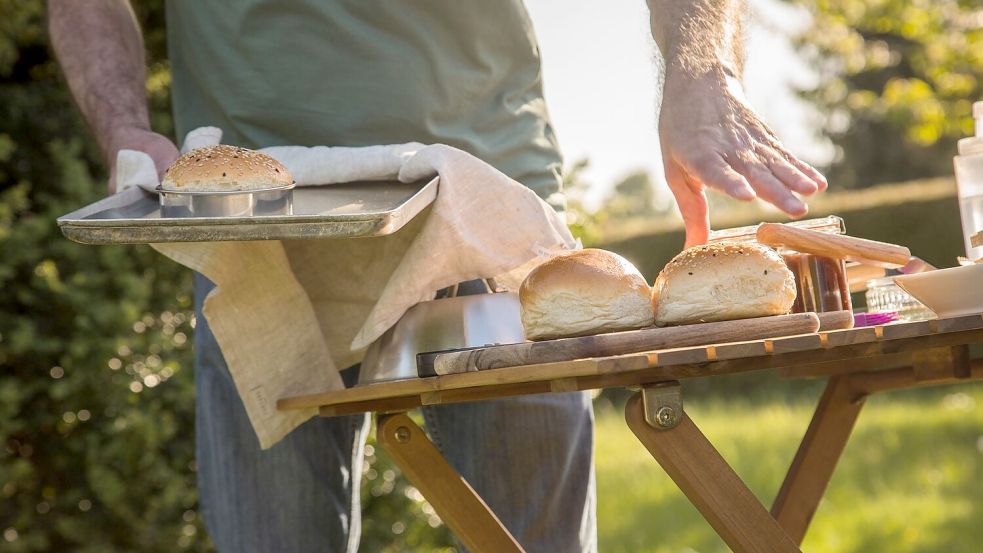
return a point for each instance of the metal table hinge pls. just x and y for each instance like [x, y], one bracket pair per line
[663, 404]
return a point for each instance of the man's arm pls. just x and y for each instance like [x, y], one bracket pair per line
[710, 135]
[100, 49]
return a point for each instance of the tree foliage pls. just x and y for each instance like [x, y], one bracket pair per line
[96, 383]
[633, 196]
[897, 81]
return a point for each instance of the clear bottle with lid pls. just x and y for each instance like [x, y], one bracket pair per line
[969, 183]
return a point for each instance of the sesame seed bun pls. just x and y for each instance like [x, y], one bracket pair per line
[721, 282]
[225, 168]
[584, 292]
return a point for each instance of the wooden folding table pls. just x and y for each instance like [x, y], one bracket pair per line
[857, 363]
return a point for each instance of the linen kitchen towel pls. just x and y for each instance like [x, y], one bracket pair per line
[289, 314]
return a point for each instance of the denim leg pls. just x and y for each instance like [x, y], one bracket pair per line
[301, 495]
[531, 459]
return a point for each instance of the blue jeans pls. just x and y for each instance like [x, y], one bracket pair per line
[530, 458]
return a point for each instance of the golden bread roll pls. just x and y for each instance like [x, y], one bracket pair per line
[584, 292]
[721, 282]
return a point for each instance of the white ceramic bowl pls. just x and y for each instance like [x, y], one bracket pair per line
[949, 292]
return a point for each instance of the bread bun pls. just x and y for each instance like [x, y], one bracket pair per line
[584, 292]
[223, 169]
[723, 281]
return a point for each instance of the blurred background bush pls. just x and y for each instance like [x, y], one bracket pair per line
[96, 388]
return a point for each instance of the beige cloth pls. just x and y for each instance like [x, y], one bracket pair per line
[288, 314]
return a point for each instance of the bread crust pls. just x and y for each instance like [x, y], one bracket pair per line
[225, 168]
[723, 281]
[584, 292]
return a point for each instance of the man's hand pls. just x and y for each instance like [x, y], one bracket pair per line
[157, 146]
[711, 138]
[100, 49]
[710, 135]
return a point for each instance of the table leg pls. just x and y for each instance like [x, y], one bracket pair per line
[817, 456]
[710, 484]
[454, 500]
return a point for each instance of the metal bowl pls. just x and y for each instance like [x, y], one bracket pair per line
[439, 325]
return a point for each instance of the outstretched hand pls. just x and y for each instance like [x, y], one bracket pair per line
[157, 146]
[712, 138]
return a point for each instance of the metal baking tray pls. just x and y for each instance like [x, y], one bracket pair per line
[350, 210]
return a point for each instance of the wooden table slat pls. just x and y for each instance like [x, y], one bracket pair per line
[817, 354]
[837, 338]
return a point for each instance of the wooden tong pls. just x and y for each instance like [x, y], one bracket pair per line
[837, 246]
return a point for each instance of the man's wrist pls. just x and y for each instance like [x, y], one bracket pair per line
[717, 71]
[117, 135]
[715, 79]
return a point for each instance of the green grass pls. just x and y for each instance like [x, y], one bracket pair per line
[910, 480]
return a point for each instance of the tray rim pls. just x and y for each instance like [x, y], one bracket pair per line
[160, 190]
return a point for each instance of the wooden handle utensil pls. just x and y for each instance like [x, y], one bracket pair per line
[632, 341]
[837, 246]
[857, 275]
[835, 320]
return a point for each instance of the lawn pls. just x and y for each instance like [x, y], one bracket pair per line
[910, 480]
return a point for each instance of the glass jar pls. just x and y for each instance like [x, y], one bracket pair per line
[885, 296]
[821, 283]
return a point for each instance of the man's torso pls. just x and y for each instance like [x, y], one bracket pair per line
[354, 73]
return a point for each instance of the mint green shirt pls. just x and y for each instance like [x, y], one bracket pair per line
[363, 72]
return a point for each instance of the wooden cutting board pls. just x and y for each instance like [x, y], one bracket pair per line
[633, 341]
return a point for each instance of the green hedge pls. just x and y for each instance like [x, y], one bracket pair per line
[96, 383]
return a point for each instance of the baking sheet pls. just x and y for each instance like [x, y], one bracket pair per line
[350, 210]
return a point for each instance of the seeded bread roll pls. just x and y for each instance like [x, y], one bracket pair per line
[584, 292]
[225, 168]
[721, 282]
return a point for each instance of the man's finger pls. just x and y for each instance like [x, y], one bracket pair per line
[111, 185]
[772, 190]
[808, 170]
[811, 172]
[787, 173]
[714, 172]
[692, 203]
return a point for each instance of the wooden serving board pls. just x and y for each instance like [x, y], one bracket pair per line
[633, 341]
